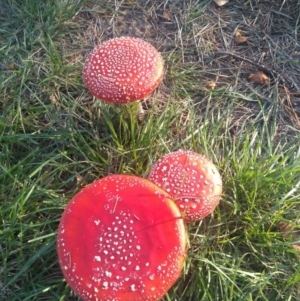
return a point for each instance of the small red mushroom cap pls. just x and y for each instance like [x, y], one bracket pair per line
[192, 180]
[121, 238]
[123, 70]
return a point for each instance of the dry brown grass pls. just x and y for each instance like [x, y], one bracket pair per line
[198, 43]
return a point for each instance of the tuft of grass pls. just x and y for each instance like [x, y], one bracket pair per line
[55, 138]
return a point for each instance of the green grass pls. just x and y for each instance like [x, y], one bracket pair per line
[55, 139]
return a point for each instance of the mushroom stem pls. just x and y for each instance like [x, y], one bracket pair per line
[135, 111]
[141, 111]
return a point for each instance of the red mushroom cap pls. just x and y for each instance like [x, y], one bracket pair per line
[123, 70]
[121, 238]
[192, 180]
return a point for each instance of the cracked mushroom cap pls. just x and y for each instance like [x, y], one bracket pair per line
[192, 180]
[123, 70]
[121, 238]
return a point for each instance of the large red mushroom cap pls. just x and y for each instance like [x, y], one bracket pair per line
[123, 70]
[121, 238]
[192, 180]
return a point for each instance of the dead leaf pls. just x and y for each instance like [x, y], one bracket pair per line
[290, 233]
[221, 2]
[167, 15]
[259, 78]
[54, 98]
[210, 85]
[10, 67]
[78, 178]
[80, 181]
[296, 247]
[239, 38]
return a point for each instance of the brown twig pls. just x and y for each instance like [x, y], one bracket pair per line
[267, 70]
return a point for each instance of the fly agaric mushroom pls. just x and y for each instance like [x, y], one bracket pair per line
[192, 180]
[121, 238]
[123, 70]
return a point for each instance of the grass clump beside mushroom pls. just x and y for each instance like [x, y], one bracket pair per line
[54, 139]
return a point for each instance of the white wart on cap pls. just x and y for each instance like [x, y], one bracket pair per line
[123, 70]
[192, 180]
[121, 238]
